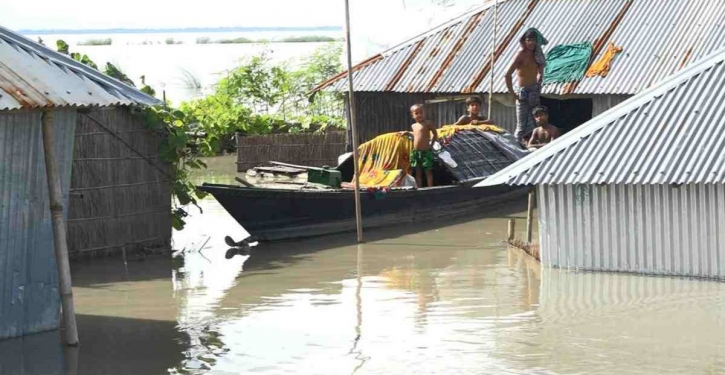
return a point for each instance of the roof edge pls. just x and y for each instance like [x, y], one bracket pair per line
[409, 41]
[59, 58]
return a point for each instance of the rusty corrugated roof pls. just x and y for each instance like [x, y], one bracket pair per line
[670, 133]
[34, 76]
[659, 37]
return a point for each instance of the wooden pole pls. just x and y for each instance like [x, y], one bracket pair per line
[493, 58]
[351, 121]
[512, 229]
[59, 231]
[530, 216]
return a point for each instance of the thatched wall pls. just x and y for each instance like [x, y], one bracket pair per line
[117, 198]
[313, 149]
[378, 113]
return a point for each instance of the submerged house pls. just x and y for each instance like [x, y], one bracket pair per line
[34, 80]
[443, 66]
[640, 188]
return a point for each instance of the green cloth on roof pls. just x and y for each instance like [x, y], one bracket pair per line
[567, 62]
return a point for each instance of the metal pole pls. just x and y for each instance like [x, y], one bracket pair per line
[59, 231]
[353, 129]
[493, 58]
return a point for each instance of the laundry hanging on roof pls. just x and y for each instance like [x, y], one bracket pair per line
[602, 66]
[567, 62]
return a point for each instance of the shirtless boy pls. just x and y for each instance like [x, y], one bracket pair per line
[421, 158]
[544, 132]
[474, 106]
[529, 65]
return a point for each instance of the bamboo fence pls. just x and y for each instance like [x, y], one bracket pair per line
[313, 149]
[118, 199]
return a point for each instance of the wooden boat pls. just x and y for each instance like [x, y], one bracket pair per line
[274, 213]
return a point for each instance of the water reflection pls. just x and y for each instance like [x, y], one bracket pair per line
[450, 299]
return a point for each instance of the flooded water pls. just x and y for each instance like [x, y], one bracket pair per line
[444, 298]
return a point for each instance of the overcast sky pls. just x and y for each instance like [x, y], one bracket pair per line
[102, 14]
[381, 22]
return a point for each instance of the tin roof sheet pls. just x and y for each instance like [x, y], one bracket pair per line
[34, 76]
[668, 134]
[658, 38]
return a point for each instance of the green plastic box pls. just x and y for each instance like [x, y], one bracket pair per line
[325, 176]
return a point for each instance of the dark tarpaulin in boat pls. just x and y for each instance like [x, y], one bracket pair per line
[480, 153]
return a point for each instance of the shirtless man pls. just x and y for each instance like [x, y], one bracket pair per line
[421, 157]
[529, 65]
[474, 106]
[544, 132]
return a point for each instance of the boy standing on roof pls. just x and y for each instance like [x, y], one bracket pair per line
[474, 106]
[421, 157]
[529, 64]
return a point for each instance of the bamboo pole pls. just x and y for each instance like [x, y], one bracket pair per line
[529, 217]
[512, 229]
[351, 121]
[59, 231]
[493, 59]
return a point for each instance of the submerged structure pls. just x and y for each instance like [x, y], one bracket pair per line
[640, 188]
[34, 80]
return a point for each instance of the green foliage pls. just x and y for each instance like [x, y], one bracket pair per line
[115, 72]
[62, 46]
[175, 150]
[203, 40]
[259, 97]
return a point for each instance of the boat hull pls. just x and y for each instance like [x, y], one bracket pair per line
[276, 214]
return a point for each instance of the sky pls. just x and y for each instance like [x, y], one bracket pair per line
[376, 23]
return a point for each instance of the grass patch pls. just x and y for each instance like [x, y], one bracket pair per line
[96, 42]
[296, 39]
[309, 39]
[235, 41]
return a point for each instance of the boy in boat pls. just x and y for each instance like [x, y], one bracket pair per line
[529, 64]
[544, 132]
[421, 157]
[474, 106]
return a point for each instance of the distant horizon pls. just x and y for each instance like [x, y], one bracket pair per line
[179, 30]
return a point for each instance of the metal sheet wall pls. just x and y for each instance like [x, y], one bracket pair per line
[29, 301]
[650, 229]
[602, 103]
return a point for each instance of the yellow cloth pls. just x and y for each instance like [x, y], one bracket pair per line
[602, 66]
[381, 178]
[391, 152]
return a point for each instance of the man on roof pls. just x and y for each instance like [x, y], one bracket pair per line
[544, 132]
[472, 118]
[529, 64]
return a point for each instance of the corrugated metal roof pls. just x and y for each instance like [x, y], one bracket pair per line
[33, 76]
[658, 37]
[669, 134]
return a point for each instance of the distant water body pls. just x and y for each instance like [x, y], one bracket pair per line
[169, 67]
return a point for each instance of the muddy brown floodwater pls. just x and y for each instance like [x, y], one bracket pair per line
[444, 298]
